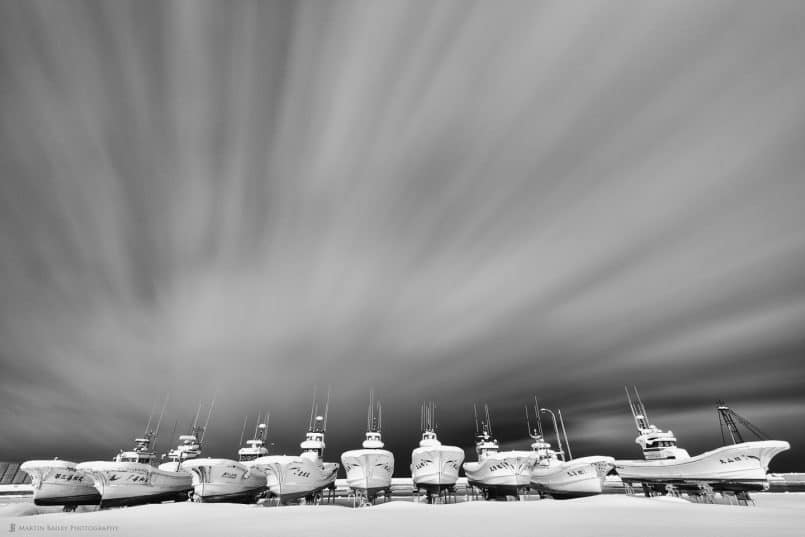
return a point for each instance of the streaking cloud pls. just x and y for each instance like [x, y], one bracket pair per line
[454, 201]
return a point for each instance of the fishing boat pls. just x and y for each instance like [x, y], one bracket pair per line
[304, 476]
[498, 474]
[434, 467]
[133, 477]
[58, 482]
[226, 480]
[189, 448]
[558, 475]
[738, 467]
[369, 470]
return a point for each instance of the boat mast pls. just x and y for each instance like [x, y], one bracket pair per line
[195, 420]
[727, 420]
[539, 418]
[326, 411]
[642, 407]
[173, 433]
[527, 420]
[427, 418]
[564, 432]
[150, 415]
[194, 428]
[243, 430]
[555, 430]
[207, 423]
[370, 415]
[257, 425]
[153, 436]
[422, 417]
[312, 411]
[532, 432]
[638, 410]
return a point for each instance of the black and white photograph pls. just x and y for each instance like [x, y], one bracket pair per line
[392, 268]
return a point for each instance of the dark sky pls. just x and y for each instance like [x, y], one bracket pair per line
[438, 200]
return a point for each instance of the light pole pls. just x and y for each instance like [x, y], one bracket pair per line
[556, 430]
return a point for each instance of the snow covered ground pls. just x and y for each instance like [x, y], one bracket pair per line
[600, 516]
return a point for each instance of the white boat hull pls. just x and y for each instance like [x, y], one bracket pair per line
[133, 483]
[290, 478]
[368, 470]
[737, 466]
[436, 467]
[58, 482]
[225, 480]
[505, 472]
[579, 477]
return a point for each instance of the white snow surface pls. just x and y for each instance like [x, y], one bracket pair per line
[600, 516]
